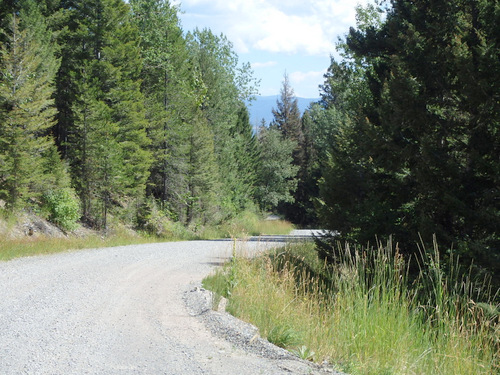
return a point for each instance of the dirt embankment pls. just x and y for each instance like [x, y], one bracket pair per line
[30, 225]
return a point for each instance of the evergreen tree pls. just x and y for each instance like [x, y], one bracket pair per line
[303, 211]
[288, 121]
[246, 156]
[27, 112]
[224, 87]
[171, 100]
[287, 117]
[277, 174]
[433, 118]
[421, 150]
[101, 126]
[95, 154]
[7, 9]
[202, 176]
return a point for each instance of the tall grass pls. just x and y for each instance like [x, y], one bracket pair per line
[364, 314]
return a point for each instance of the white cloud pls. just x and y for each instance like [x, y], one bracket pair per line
[293, 26]
[291, 34]
[306, 83]
[267, 64]
[299, 77]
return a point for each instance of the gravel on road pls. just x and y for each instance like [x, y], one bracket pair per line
[128, 310]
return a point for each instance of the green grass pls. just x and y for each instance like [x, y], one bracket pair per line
[10, 249]
[246, 224]
[364, 315]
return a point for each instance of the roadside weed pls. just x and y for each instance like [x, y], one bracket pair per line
[303, 352]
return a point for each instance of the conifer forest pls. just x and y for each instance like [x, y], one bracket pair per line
[110, 111]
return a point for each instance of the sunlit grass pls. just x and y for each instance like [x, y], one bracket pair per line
[270, 227]
[244, 225]
[364, 315]
[10, 249]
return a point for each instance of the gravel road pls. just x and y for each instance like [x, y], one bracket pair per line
[126, 310]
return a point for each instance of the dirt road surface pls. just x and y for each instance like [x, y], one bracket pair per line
[119, 310]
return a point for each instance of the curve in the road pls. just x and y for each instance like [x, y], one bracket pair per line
[118, 311]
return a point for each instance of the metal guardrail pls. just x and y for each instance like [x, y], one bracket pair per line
[282, 238]
[297, 235]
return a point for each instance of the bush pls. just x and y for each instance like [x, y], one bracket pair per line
[157, 222]
[63, 207]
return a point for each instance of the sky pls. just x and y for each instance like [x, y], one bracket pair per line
[296, 37]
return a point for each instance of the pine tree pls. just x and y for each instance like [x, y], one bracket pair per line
[246, 149]
[224, 88]
[202, 176]
[433, 118]
[100, 104]
[287, 116]
[288, 121]
[421, 150]
[27, 112]
[277, 174]
[304, 211]
[171, 103]
[96, 155]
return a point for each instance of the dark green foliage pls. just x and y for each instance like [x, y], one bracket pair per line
[101, 125]
[277, 174]
[299, 131]
[95, 156]
[222, 87]
[302, 211]
[56, 174]
[201, 176]
[245, 146]
[27, 68]
[414, 148]
[170, 100]
[287, 118]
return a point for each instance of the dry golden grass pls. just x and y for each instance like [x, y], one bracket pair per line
[10, 249]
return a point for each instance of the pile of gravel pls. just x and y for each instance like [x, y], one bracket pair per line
[199, 302]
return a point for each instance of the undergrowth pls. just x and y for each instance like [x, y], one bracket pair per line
[365, 314]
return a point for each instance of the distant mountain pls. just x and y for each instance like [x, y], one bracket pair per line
[261, 108]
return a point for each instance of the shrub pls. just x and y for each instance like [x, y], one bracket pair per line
[158, 222]
[63, 207]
